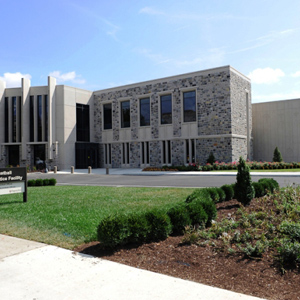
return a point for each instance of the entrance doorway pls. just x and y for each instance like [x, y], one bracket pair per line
[39, 156]
[86, 155]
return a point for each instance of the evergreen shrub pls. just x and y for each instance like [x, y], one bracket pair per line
[259, 189]
[39, 182]
[180, 217]
[31, 182]
[197, 213]
[277, 157]
[222, 195]
[229, 191]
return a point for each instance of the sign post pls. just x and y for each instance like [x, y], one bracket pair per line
[13, 180]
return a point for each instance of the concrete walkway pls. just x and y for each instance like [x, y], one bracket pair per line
[31, 270]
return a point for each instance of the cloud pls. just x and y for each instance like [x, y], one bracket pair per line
[275, 96]
[14, 79]
[266, 75]
[71, 76]
[297, 74]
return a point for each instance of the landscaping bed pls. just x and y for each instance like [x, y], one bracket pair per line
[208, 260]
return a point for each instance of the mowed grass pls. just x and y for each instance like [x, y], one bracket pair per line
[68, 216]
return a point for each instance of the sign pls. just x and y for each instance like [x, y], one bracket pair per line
[13, 180]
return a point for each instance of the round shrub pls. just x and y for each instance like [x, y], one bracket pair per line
[259, 189]
[213, 193]
[222, 195]
[197, 213]
[113, 230]
[31, 182]
[198, 193]
[229, 191]
[45, 181]
[39, 182]
[138, 228]
[209, 207]
[52, 181]
[267, 184]
[159, 225]
[179, 217]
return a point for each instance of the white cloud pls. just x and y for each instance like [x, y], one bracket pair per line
[297, 74]
[14, 79]
[266, 75]
[70, 76]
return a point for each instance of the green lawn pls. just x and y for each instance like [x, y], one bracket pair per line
[67, 216]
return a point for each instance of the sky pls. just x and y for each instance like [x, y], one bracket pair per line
[101, 44]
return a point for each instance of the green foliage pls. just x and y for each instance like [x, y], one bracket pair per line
[211, 158]
[197, 213]
[214, 195]
[244, 191]
[39, 182]
[269, 184]
[31, 182]
[277, 157]
[180, 218]
[222, 195]
[45, 181]
[291, 230]
[138, 228]
[229, 191]
[289, 252]
[259, 189]
[113, 230]
[209, 208]
[255, 250]
[52, 181]
[198, 193]
[159, 225]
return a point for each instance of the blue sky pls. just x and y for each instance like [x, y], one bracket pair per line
[100, 44]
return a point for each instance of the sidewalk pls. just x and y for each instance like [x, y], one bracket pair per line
[30, 270]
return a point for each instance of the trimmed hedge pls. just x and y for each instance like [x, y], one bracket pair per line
[197, 213]
[222, 195]
[41, 182]
[229, 191]
[180, 217]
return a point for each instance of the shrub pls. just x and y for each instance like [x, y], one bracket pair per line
[209, 208]
[113, 230]
[289, 252]
[259, 189]
[52, 181]
[222, 195]
[291, 229]
[31, 182]
[244, 190]
[229, 191]
[269, 184]
[197, 213]
[159, 225]
[213, 193]
[198, 193]
[277, 157]
[138, 228]
[211, 159]
[179, 217]
[39, 182]
[45, 181]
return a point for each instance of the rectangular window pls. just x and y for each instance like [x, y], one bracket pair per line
[82, 122]
[145, 112]
[126, 153]
[145, 153]
[19, 109]
[31, 118]
[14, 119]
[107, 154]
[39, 118]
[107, 116]
[166, 152]
[46, 116]
[189, 106]
[166, 109]
[190, 151]
[125, 114]
[6, 124]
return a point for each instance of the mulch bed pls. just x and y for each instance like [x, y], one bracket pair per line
[204, 264]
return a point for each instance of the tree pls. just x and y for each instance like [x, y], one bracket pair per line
[277, 157]
[244, 190]
[211, 159]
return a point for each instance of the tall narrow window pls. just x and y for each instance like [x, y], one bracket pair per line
[82, 122]
[145, 112]
[166, 152]
[19, 112]
[125, 114]
[190, 151]
[6, 124]
[46, 119]
[107, 116]
[39, 118]
[107, 154]
[145, 153]
[166, 109]
[14, 119]
[189, 106]
[31, 118]
[126, 153]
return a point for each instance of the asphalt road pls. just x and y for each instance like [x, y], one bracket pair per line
[163, 180]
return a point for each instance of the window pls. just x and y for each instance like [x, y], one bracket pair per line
[125, 114]
[166, 109]
[46, 117]
[6, 120]
[190, 151]
[39, 118]
[107, 154]
[166, 152]
[14, 119]
[107, 116]
[189, 106]
[31, 120]
[126, 153]
[145, 157]
[145, 112]
[82, 122]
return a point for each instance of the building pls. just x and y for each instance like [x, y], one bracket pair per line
[277, 124]
[170, 121]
